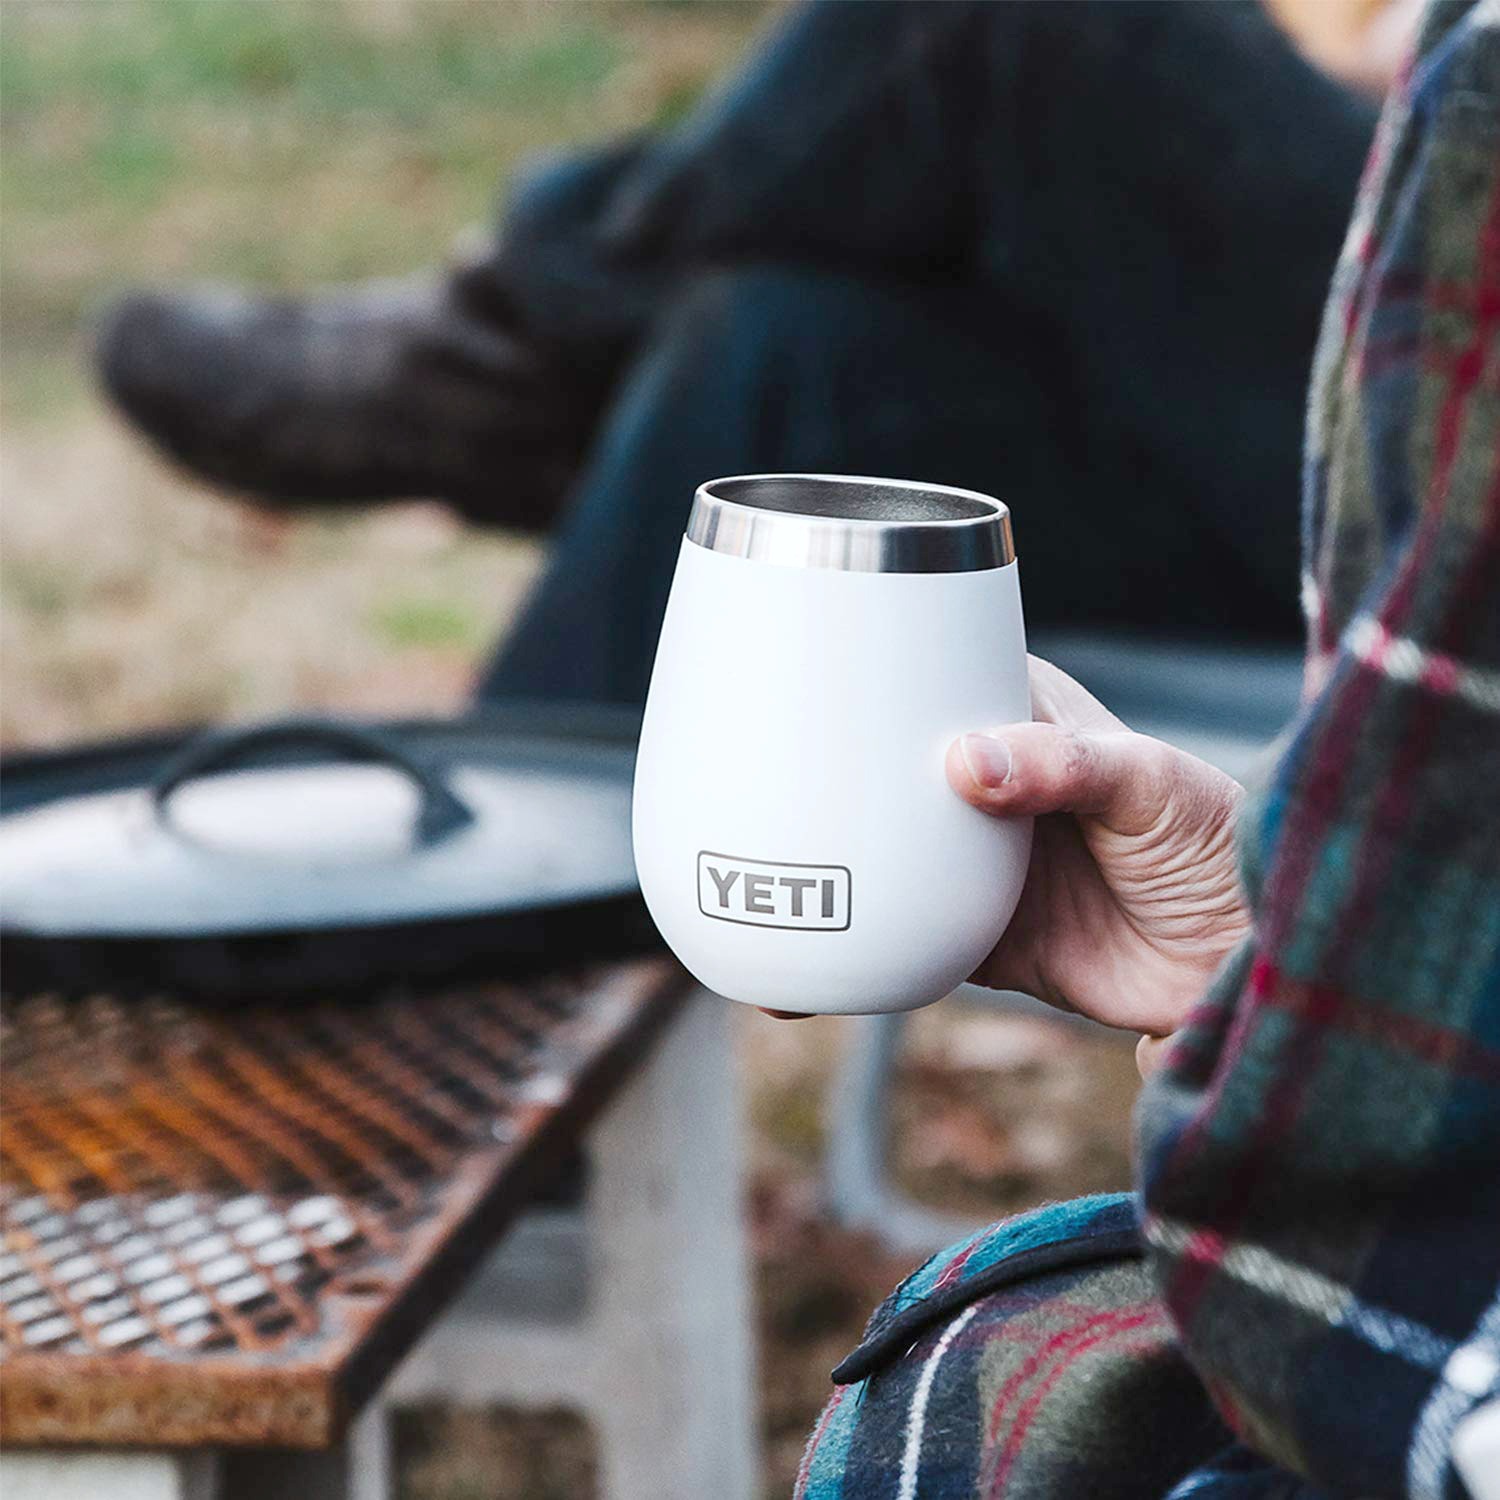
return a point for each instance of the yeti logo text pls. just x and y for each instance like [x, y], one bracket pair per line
[772, 893]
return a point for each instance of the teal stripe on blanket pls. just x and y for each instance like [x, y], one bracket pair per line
[1048, 1225]
[829, 1450]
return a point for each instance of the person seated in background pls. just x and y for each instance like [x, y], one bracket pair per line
[1069, 254]
[1302, 1301]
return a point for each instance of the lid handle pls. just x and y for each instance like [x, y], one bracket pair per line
[441, 812]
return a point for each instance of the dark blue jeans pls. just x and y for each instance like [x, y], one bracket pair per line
[1070, 254]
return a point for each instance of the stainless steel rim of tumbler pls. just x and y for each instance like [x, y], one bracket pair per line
[851, 524]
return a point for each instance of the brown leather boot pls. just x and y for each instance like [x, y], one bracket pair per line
[422, 387]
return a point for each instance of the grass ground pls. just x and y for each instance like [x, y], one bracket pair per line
[281, 144]
[304, 141]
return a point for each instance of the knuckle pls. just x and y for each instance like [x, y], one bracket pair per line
[1079, 757]
[1166, 765]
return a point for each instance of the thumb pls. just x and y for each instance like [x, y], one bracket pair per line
[1028, 770]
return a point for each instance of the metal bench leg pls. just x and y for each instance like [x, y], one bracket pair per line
[858, 1187]
[675, 1405]
[60, 1474]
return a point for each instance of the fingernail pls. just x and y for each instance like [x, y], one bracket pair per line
[988, 759]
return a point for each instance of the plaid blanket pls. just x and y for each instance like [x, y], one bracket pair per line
[1032, 1359]
[1319, 1160]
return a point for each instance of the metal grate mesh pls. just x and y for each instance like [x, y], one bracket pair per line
[179, 1183]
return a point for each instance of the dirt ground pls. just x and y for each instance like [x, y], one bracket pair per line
[142, 144]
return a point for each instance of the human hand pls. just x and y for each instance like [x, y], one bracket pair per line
[1132, 899]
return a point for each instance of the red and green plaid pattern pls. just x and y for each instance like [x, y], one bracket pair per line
[1320, 1158]
[1029, 1360]
[1320, 1161]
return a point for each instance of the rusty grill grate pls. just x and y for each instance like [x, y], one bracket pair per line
[181, 1183]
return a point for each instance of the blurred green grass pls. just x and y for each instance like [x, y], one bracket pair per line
[426, 622]
[302, 54]
[288, 142]
[281, 144]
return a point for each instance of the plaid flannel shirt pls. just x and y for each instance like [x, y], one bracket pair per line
[1320, 1160]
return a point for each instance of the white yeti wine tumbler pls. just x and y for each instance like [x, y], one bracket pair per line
[826, 638]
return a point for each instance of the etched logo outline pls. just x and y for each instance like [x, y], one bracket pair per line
[743, 861]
